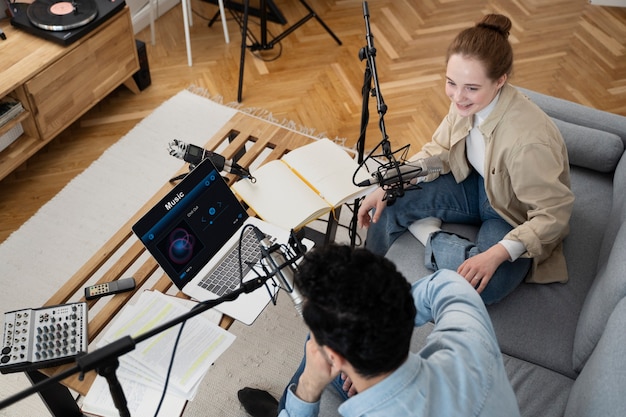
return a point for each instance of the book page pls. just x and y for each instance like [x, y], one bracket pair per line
[329, 169]
[280, 197]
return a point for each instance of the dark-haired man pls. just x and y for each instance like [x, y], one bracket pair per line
[361, 313]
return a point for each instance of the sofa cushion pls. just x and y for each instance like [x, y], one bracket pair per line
[599, 390]
[591, 148]
[617, 217]
[539, 391]
[609, 285]
[537, 322]
[330, 402]
[608, 288]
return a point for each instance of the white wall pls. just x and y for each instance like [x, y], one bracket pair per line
[616, 3]
[141, 14]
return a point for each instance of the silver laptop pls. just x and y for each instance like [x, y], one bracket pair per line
[194, 233]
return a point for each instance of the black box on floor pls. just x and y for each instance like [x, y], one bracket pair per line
[142, 77]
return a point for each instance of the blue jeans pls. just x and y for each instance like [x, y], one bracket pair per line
[464, 203]
[337, 383]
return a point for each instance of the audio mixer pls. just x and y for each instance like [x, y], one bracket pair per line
[43, 337]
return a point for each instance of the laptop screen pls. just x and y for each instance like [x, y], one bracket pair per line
[191, 223]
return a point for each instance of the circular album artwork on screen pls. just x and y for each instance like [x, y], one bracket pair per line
[60, 15]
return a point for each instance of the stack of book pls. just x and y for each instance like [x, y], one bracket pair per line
[9, 110]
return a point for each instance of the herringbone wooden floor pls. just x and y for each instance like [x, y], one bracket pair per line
[565, 48]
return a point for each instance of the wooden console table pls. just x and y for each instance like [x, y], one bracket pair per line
[58, 84]
[247, 138]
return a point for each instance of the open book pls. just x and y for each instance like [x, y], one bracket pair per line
[303, 185]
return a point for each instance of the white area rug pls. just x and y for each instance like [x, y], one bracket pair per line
[62, 236]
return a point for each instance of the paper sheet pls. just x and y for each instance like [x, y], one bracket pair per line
[142, 372]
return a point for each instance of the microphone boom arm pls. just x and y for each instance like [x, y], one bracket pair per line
[392, 192]
[369, 53]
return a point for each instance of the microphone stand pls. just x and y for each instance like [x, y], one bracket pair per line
[368, 53]
[105, 360]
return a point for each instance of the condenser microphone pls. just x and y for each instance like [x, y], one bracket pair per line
[280, 267]
[193, 155]
[402, 173]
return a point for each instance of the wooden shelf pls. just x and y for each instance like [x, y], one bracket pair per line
[11, 123]
[16, 153]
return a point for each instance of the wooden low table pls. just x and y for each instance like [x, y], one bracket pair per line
[247, 139]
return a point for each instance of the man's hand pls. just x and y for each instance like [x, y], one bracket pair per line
[347, 385]
[319, 371]
[479, 269]
[373, 200]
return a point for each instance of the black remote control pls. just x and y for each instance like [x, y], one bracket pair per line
[108, 288]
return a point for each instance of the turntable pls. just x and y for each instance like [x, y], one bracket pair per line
[63, 21]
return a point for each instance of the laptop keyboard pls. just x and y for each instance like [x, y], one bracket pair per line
[226, 277]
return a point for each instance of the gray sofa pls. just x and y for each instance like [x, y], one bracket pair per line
[564, 345]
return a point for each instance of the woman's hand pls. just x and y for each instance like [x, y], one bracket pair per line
[479, 269]
[373, 200]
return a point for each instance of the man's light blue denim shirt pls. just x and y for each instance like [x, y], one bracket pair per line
[459, 372]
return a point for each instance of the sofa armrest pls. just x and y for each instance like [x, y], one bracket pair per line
[599, 390]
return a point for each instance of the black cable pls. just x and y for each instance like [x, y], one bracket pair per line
[255, 42]
[182, 326]
[239, 21]
[171, 365]
[350, 227]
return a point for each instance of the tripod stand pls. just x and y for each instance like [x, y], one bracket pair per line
[264, 44]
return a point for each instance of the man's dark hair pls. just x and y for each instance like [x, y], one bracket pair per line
[358, 304]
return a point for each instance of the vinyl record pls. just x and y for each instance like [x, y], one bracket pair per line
[58, 15]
